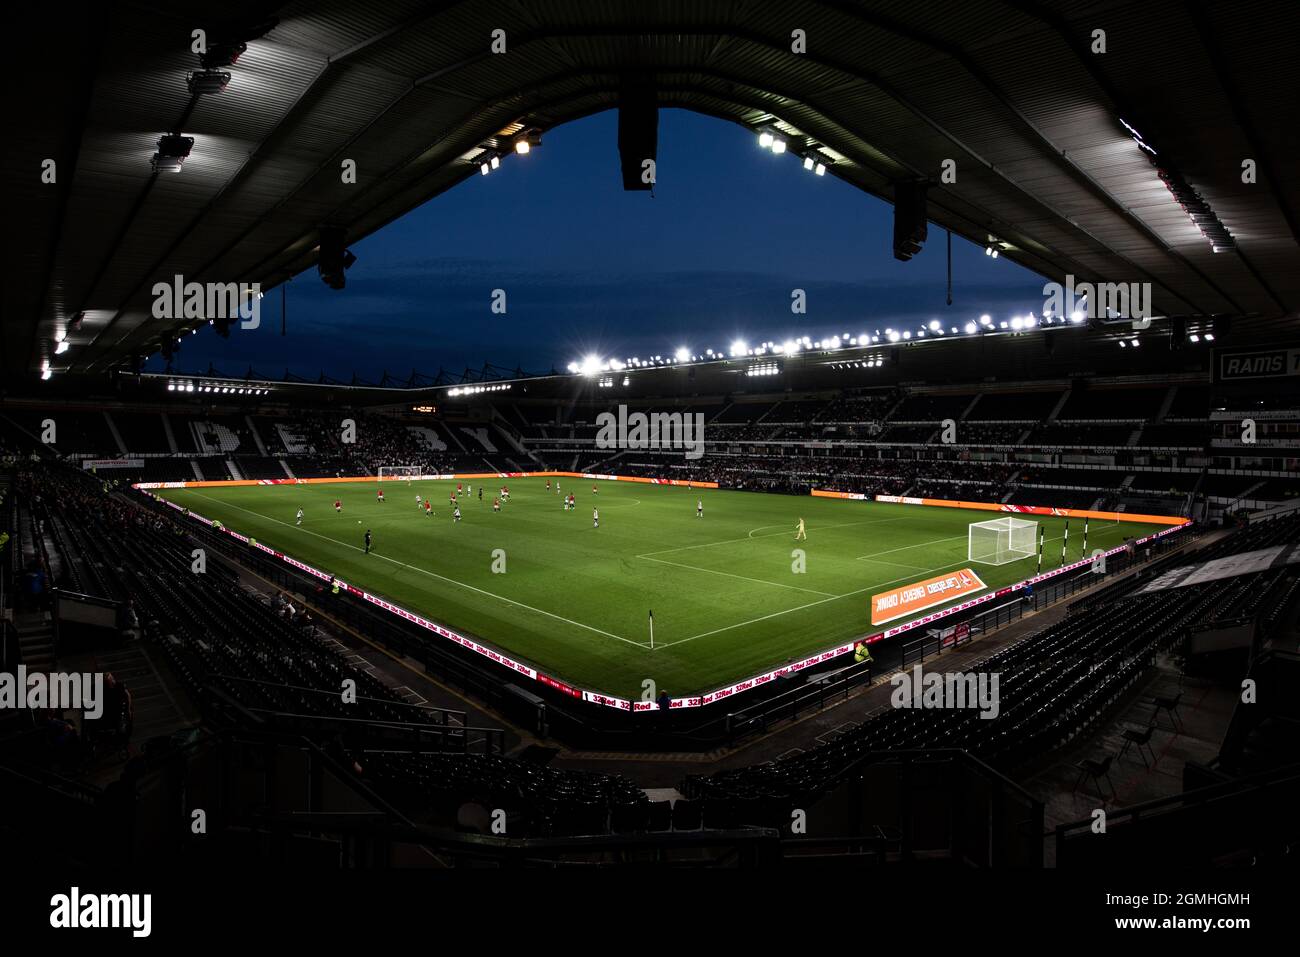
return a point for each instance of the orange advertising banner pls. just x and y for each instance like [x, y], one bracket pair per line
[1014, 509]
[918, 596]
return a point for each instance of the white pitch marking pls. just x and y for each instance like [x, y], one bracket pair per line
[811, 604]
[860, 591]
[903, 548]
[732, 541]
[756, 581]
[424, 571]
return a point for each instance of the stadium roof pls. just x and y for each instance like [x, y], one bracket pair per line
[1012, 90]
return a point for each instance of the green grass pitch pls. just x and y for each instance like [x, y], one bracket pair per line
[574, 600]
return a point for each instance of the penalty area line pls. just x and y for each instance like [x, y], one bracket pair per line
[744, 578]
[751, 537]
[811, 604]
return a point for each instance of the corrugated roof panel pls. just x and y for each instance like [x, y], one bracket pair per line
[407, 88]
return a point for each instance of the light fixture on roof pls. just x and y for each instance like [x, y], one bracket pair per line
[222, 53]
[770, 139]
[527, 141]
[488, 160]
[173, 150]
[207, 82]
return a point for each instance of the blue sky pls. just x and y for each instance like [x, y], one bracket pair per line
[588, 268]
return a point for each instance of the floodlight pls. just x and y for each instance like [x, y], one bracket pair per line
[173, 150]
[207, 82]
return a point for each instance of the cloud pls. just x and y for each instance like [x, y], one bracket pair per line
[431, 313]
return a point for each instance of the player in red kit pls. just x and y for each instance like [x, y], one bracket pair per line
[338, 506]
[380, 496]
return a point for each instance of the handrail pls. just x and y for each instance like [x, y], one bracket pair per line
[1285, 508]
[1198, 796]
[387, 701]
[493, 738]
[83, 597]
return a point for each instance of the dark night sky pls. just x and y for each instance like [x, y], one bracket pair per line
[589, 268]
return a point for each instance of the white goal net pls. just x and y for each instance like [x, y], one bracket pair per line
[1001, 540]
[399, 472]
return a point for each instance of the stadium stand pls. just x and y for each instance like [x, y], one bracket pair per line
[1055, 685]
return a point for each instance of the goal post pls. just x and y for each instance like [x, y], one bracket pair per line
[399, 472]
[1001, 540]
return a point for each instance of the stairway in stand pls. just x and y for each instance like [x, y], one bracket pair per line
[35, 640]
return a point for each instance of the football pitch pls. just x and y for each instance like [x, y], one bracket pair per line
[543, 585]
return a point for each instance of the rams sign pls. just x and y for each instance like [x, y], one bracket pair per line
[1256, 364]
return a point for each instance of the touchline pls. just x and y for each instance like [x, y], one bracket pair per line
[37, 690]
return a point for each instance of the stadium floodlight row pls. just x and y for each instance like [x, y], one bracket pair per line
[916, 618]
